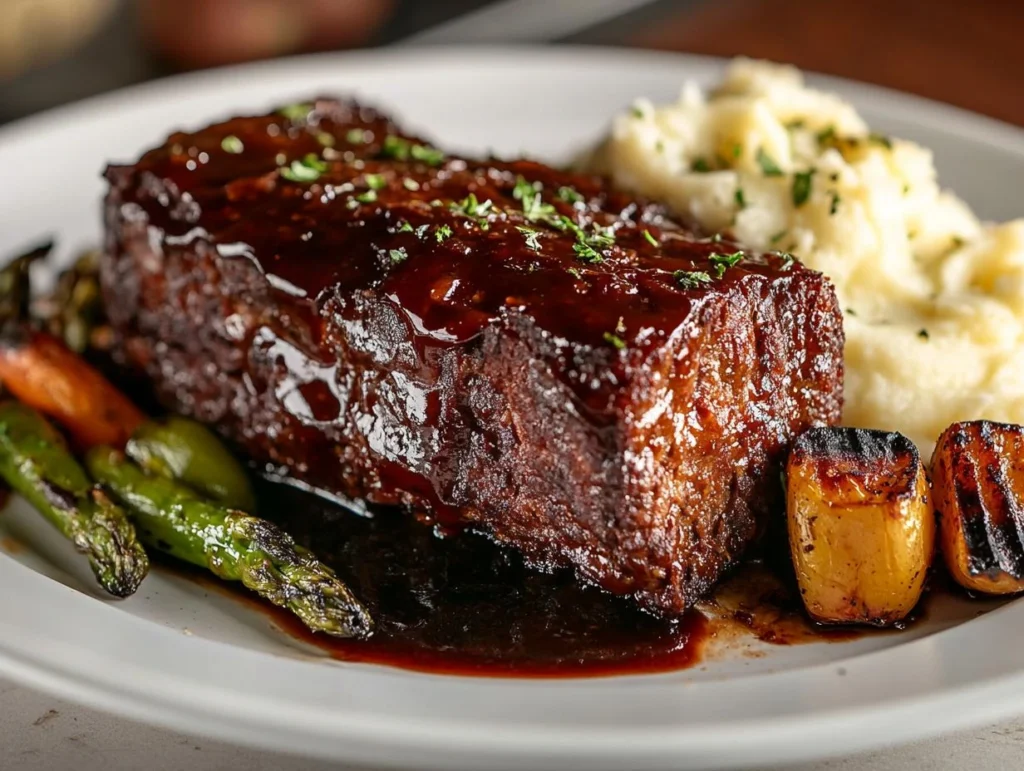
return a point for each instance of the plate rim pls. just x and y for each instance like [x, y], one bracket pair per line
[668, 747]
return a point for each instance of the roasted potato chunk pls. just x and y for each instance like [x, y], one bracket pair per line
[978, 484]
[861, 525]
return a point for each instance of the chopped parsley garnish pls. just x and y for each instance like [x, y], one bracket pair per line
[826, 135]
[958, 242]
[923, 334]
[232, 144]
[355, 136]
[737, 150]
[777, 237]
[296, 112]
[741, 200]
[637, 112]
[428, 155]
[651, 239]
[700, 165]
[787, 260]
[471, 207]
[442, 233]
[375, 181]
[307, 169]
[523, 188]
[325, 139]
[617, 342]
[398, 255]
[569, 195]
[722, 262]
[402, 150]
[410, 184]
[586, 252]
[768, 165]
[368, 197]
[421, 231]
[906, 189]
[601, 237]
[880, 139]
[850, 312]
[532, 237]
[405, 227]
[574, 272]
[534, 207]
[797, 123]
[691, 279]
[834, 207]
[802, 187]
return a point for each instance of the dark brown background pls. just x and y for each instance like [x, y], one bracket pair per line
[966, 53]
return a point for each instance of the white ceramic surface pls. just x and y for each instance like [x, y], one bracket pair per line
[176, 656]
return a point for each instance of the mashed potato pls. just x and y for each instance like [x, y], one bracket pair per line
[933, 299]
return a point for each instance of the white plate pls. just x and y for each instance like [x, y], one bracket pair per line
[175, 656]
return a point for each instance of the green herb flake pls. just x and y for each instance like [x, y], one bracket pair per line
[375, 181]
[802, 187]
[586, 252]
[906, 189]
[923, 334]
[850, 312]
[958, 242]
[307, 169]
[651, 239]
[405, 227]
[637, 111]
[737, 150]
[722, 262]
[796, 123]
[826, 135]
[443, 232]
[768, 165]
[296, 112]
[614, 340]
[471, 207]
[410, 184]
[532, 237]
[716, 238]
[232, 144]
[569, 195]
[834, 206]
[601, 238]
[426, 154]
[778, 237]
[741, 200]
[880, 139]
[574, 272]
[691, 279]
[787, 260]
[368, 197]
[700, 165]
[355, 136]
[325, 139]
[398, 255]
[421, 231]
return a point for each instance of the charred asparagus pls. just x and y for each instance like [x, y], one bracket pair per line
[35, 461]
[233, 545]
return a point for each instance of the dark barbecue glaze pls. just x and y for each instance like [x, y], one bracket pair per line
[590, 412]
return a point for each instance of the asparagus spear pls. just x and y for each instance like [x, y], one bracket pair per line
[188, 452]
[233, 545]
[35, 461]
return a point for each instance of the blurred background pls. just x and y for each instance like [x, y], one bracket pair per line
[966, 52]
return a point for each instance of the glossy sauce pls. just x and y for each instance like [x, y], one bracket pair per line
[463, 605]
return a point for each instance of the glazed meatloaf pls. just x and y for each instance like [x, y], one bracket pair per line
[498, 345]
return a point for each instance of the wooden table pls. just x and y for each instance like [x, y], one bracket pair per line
[966, 52]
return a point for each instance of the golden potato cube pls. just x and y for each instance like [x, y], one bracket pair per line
[978, 483]
[861, 525]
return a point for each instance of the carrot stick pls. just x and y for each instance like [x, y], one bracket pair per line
[42, 372]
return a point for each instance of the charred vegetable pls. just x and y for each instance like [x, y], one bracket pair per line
[861, 526]
[35, 461]
[73, 311]
[978, 483]
[233, 545]
[188, 452]
[42, 372]
[16, 291]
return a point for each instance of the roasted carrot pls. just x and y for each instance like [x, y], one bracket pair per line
[42, 372]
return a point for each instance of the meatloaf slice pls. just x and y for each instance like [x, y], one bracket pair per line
[494, 344]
